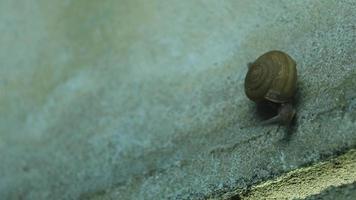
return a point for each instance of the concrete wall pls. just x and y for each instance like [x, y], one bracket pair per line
[144, 99]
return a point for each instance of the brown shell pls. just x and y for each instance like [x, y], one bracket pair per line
[272, 77]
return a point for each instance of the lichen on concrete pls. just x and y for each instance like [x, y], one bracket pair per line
[144, 99]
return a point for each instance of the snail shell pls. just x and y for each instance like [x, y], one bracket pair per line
[272, 77]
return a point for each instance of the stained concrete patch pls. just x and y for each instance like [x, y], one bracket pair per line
[344, 192]
[306, 182]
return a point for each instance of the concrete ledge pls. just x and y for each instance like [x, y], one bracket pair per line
[344, 192]
[309, 182]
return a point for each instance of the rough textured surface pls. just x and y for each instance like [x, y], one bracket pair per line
[304, 182]
[345, 192]
[144, 100]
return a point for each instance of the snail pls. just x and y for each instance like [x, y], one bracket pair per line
[272, 78]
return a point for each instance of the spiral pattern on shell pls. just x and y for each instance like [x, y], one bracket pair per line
[271, 77]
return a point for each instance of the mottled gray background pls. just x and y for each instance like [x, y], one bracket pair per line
[144, 99]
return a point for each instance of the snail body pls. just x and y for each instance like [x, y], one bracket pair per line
[273, 77]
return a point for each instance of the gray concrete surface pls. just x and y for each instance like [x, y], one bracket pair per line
[144, 99]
